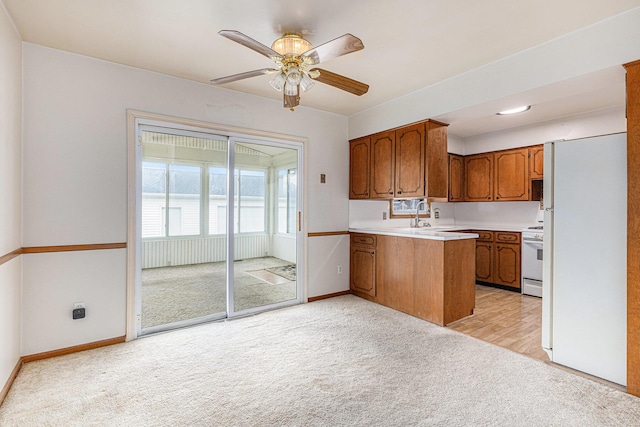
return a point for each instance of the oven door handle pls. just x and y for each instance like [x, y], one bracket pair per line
[533, 241]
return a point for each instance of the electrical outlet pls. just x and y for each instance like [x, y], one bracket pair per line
[79, 311]
[339, 269]
[384, 216]
[436, 214]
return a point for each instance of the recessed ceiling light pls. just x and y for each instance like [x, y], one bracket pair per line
[514, 110]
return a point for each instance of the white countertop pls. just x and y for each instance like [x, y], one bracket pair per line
[432, 233]
[437, 232]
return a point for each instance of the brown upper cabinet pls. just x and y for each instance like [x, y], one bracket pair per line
[359, 160]
[478, 173]
[410, 161]
[507, 175]
[410, 144]
[511, 175]
[536, 162]
[437, 161]
[383, 155]
[456, 178]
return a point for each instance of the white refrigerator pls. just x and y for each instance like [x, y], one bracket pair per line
[584, 313]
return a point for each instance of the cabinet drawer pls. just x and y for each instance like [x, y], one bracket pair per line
[505, 237]
[484, 236]
[363, 239]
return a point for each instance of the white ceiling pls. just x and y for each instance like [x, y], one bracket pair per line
[409, 44]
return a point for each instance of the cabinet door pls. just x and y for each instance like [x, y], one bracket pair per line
[484, 262]
[382, 165]
[410, 161]
[363, 270]
[507, 265]
[536, 162]
[359, 159]
[456, 178]
[511, 175]
[478, 174]
[437, 161]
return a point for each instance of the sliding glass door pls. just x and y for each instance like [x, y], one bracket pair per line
[218, 226]
[265, 263]
[183, 227]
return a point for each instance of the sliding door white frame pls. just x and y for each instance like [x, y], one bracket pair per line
[300, 265]
[135, 118]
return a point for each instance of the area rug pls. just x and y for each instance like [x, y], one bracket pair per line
[286, 271]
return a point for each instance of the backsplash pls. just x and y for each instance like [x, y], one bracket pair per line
[369, 213]
[506, 213]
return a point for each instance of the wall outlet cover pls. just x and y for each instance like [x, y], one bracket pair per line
[78, 313]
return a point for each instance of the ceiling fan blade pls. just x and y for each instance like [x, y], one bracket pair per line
[240, 76]
[252, 44]
[342, 82]
[347, 43]
[291, 101]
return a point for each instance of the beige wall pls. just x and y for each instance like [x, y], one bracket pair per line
[10, 172]
[75, 173]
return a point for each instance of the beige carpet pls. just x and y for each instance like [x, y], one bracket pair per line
[337, 362]
[172, 294]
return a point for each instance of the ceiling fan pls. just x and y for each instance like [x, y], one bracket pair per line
[295, 59]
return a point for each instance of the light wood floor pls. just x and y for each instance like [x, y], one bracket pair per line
[507, 319]
[512, 321]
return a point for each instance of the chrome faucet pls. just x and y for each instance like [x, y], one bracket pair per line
[416, 221]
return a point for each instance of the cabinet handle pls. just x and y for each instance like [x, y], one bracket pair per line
[399, 192]
[390, 192]
[372, 253]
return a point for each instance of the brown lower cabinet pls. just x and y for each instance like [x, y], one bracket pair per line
[430, 279]
[498, 258]
[363, 264]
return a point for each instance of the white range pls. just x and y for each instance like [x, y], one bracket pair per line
[532, 267]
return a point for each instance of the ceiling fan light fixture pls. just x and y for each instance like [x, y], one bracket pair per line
[294, 76]
[295, 59]
[306, 83]
[291, 44]
[290, 90]
[278, 82]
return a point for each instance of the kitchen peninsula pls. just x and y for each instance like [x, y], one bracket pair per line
[423, 272]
